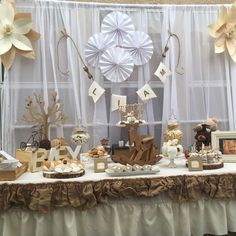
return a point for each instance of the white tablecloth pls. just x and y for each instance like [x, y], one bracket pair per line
[181, 169]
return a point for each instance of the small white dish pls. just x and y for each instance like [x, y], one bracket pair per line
[111, 172]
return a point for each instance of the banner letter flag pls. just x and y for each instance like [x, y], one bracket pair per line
[146, 93]
[95, 91]
[116, 101]
[162, 72]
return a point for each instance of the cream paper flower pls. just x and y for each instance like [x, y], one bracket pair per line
[224, 31]
[15, 34]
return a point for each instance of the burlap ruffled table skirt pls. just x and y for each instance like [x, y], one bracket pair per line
[87, 194]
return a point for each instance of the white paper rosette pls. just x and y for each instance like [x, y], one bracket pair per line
[140, 47]
[116, 64]
[95, 47]
[117, 25]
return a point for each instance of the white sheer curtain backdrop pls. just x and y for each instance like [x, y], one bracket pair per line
[205, 90]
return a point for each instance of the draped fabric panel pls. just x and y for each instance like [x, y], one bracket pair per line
[156, 216]
[190, 97]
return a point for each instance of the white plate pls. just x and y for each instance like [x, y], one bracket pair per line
[154, 170]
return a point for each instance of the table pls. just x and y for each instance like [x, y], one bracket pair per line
[173, 202]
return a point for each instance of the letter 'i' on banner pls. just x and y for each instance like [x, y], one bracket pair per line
[95, 91]
[116, 101]
[146, 92]
[162, 72]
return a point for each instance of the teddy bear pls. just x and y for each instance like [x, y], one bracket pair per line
[203, 132]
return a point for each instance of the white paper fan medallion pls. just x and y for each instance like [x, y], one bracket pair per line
[116, 64]
[95, 47]
[117, 25]
[140, 47]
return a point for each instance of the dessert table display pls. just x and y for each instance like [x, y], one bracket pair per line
[151, 62]
[205, 200]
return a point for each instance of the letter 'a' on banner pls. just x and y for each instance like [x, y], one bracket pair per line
[162, 72]
[146, 93]
[117, 100]
[95, 91]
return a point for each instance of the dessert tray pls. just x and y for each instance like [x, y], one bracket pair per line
[113, 173]
[211, 159]
[210, 166]
[62, 169]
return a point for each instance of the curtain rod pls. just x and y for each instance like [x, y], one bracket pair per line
[178, 2]
[140, 3]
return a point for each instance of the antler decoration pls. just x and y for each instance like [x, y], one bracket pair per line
[45, 117]
[15, 34]
[65, 35]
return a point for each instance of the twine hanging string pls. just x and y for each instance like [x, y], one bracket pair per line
[178, 70]
[65, 35]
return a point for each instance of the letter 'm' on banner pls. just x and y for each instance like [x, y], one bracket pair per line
[162, 72]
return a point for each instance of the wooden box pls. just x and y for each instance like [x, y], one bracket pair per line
[10, 175]
[35, 159]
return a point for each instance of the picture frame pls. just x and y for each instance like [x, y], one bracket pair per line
[195, 164]
[225, 141]
[100, 165]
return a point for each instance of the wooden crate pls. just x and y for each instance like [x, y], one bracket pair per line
[10, 175]
[35, 159]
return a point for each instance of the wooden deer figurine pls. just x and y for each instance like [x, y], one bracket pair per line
[144, 150]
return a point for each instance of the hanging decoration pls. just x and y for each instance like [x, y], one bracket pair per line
[117, 25]
[118, 47]
[116, 64]
[224, 32]
[162, 72]
[115, 60]
[65, 35]
[96, 46]
[140, 47]
[16, 34]
[95, 91]
[117, 101]
[146, 93]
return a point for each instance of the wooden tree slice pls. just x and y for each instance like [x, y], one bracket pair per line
[56, 175]
[208, 166]
[211, 166]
